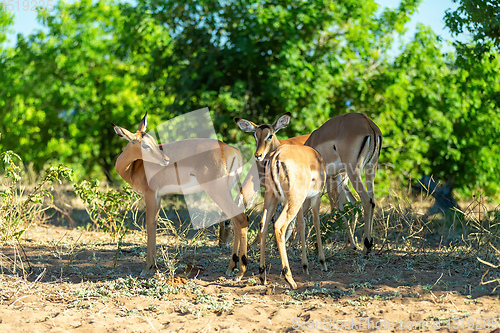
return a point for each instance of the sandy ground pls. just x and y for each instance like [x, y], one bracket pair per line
[72, 287]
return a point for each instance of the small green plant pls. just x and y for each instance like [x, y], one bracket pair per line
[19, 207]
[293, 302]
[170, 261]
[108, 210]
[334, 222]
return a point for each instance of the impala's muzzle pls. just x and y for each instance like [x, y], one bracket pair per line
[165, 162]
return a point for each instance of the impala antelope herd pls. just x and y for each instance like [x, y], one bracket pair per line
[292, 171]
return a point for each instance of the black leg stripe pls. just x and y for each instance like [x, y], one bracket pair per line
[362, 146]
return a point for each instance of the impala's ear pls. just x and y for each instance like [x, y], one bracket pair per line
[282, 122]
[245, 125]
[122, 132]
[143, 124]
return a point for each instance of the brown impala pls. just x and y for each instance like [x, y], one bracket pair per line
[292, 175]
[183, 167]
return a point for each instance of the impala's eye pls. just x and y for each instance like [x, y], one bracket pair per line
[144, 145]
[269, 137]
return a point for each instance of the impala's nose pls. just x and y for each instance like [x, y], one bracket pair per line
[258, 156]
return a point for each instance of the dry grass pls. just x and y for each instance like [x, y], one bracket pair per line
[66, 273]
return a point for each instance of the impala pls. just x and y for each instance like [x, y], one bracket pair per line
[350, 143]
[183, 167]
[293, 174]
[251, 185]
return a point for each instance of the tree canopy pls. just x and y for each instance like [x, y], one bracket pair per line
[480, 18]
[103, 61]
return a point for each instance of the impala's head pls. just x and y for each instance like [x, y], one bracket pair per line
[265, 135]
[143, 144]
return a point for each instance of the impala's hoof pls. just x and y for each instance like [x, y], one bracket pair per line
[368, 245]
[291, 283]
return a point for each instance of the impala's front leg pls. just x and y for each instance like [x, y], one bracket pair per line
[152, 209]
[269, 209]
[243, 246]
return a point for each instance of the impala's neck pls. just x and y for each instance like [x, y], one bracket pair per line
[124, 163]
[274, 144]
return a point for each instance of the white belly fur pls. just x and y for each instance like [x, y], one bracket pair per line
[188, 188]
[334, 168]
[312, 193]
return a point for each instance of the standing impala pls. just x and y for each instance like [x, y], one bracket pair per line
[251, 185]
[350, 143]
[292, 175]
[183, 167]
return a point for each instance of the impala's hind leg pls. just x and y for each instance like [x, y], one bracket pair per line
[370, 172]
[222, 197]
[280, 230]
[342, 199]
[225, 232]
[368, 206]
[302, 230]
[315, 203]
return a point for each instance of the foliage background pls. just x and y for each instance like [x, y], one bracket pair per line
[106, 61]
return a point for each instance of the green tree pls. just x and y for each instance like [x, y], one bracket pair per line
[437, 118]
[262, 58]
[76, 80]
[108, 61]
[481, 18]
[5, 22]
[478, 129]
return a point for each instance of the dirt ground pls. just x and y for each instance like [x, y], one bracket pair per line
[72, 287]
